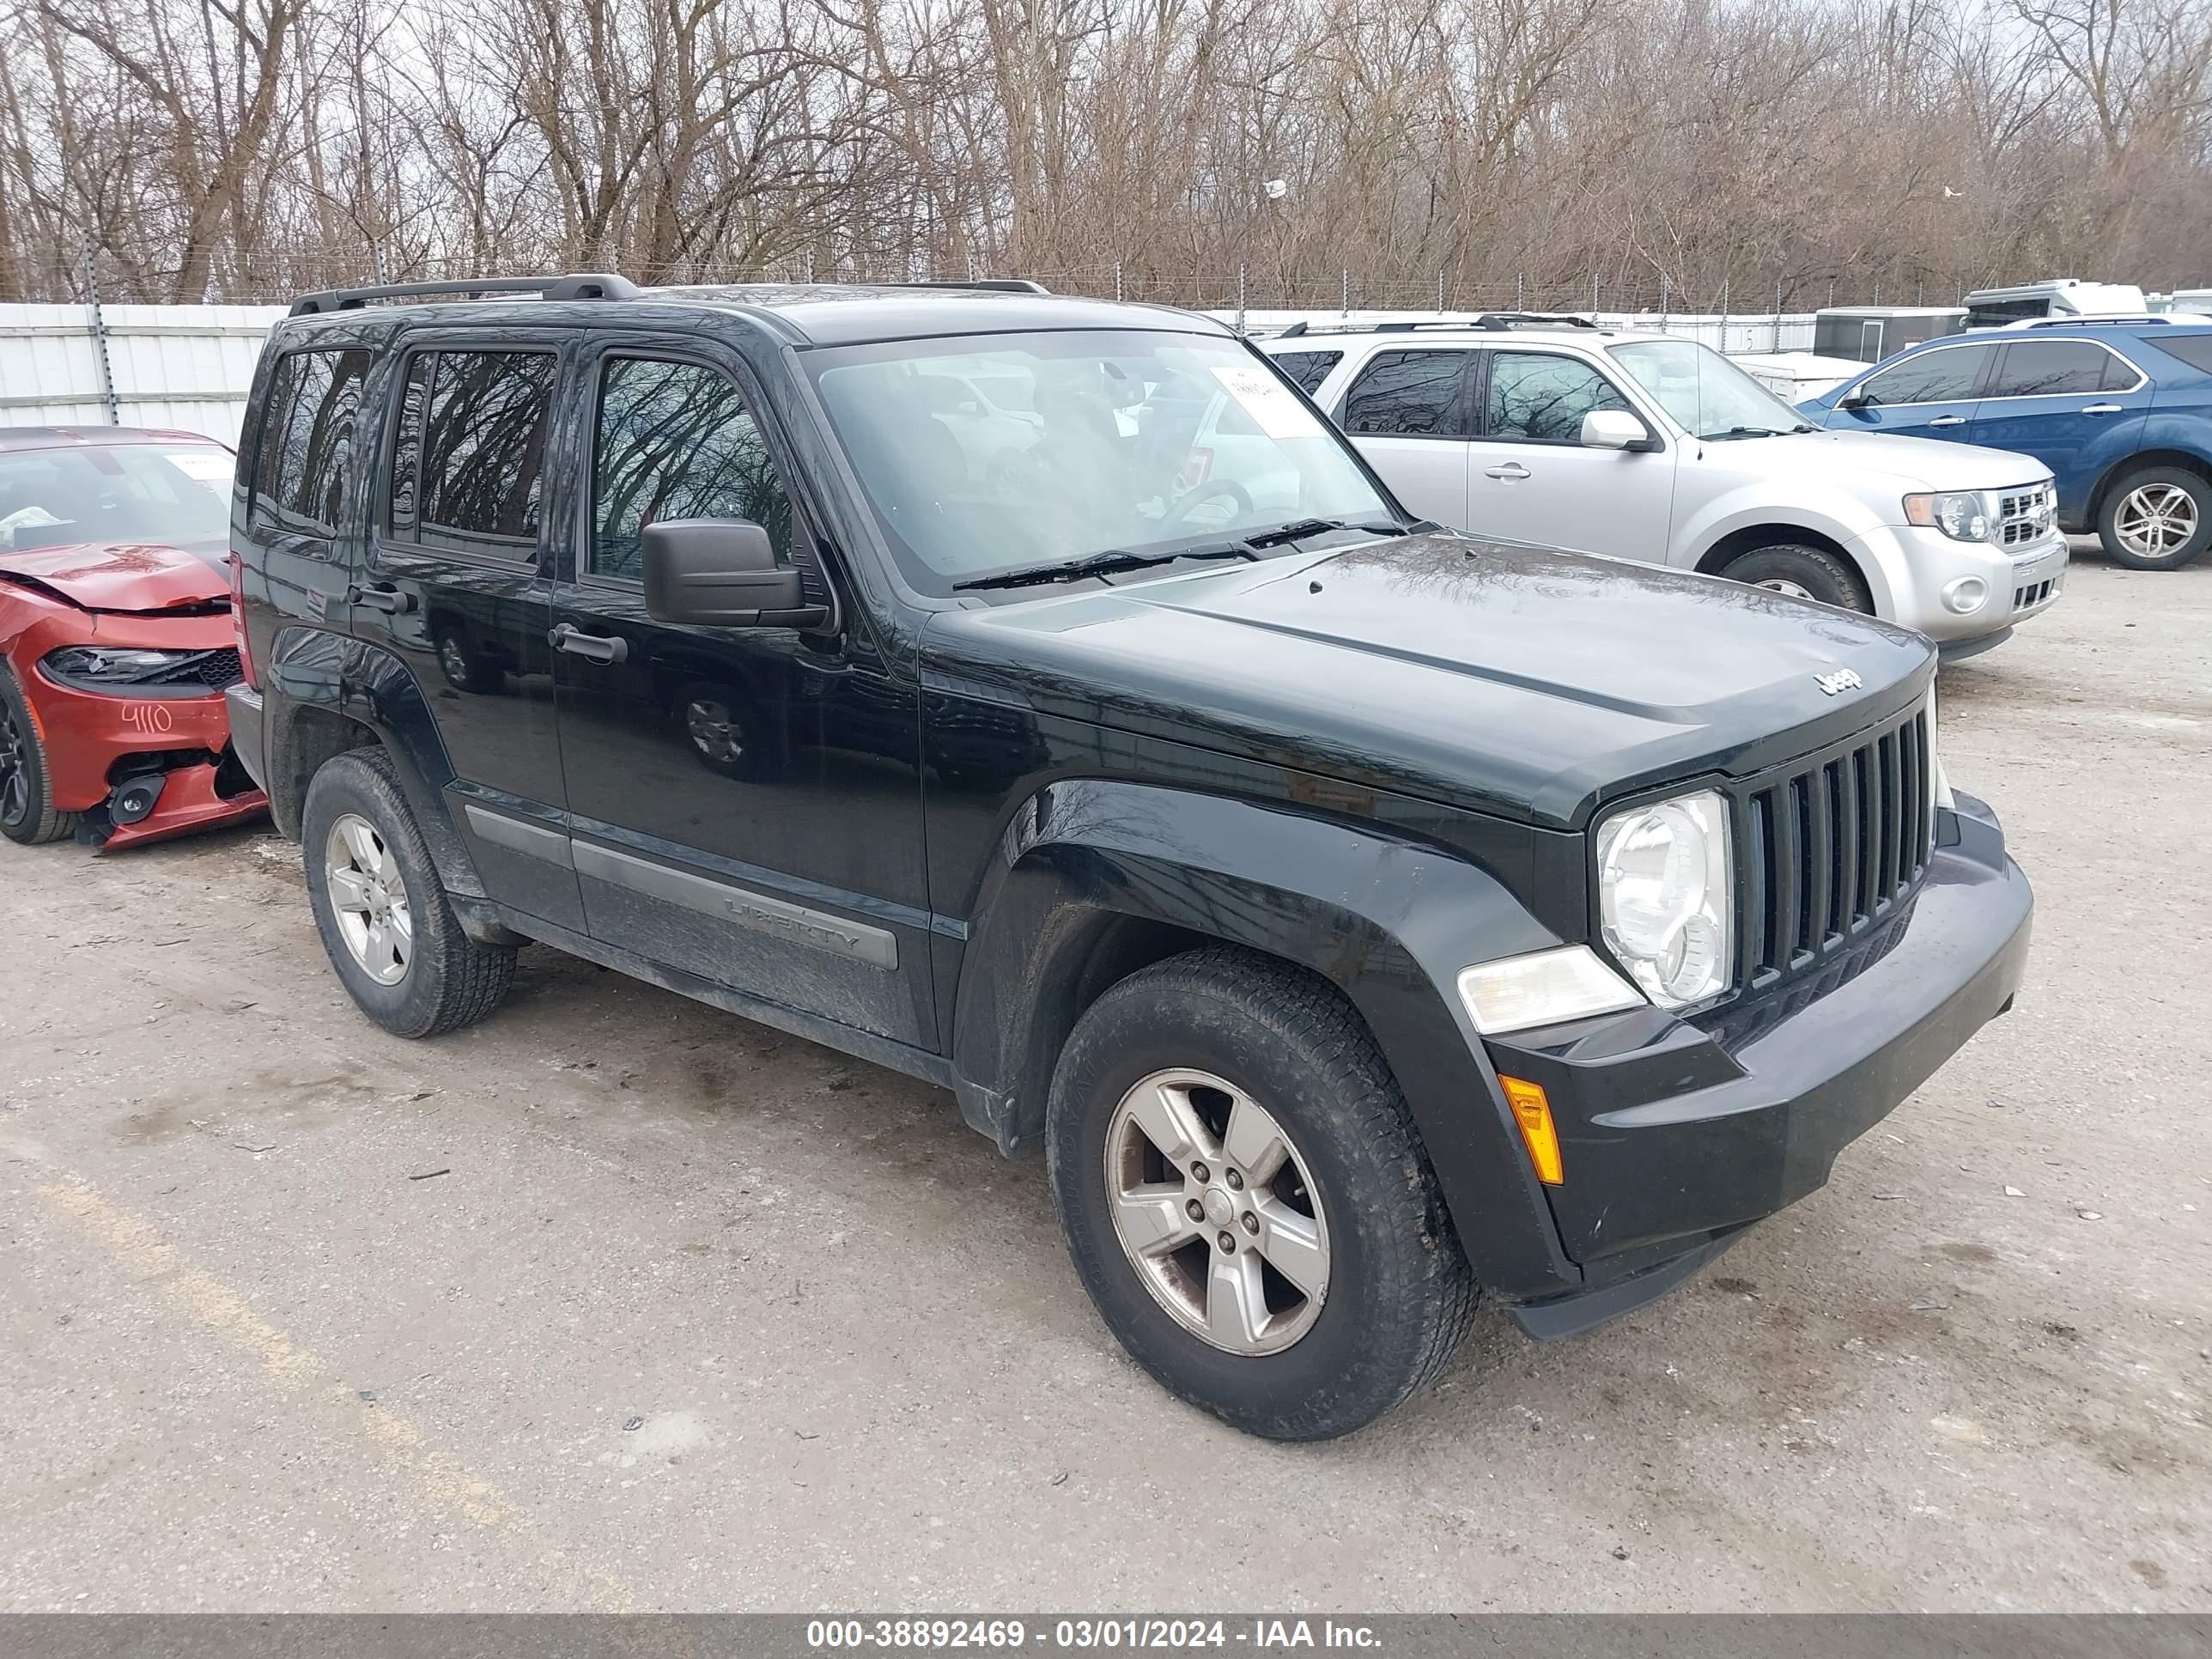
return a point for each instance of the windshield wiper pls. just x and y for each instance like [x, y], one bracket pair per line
[1750, 432]
[1298, 530]
[1112, 562]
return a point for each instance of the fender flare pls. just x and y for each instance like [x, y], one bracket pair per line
[1086, 868]
[371, 688]
[1744, 509]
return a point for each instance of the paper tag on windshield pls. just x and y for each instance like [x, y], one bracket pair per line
[1272, 404]
[208, 465]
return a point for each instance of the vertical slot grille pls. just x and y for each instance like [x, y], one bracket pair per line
[1834, 847]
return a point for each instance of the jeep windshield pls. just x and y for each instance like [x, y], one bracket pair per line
[1708, 396]
[1075, 453]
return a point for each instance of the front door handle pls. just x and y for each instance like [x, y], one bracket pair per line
[2102, 409]
[389, 601]
[1948, 420]
[597, 647]
[1510, 470]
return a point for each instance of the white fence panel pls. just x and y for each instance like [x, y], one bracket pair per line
[179, 367]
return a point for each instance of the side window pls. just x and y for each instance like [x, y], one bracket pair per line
[306, 451]
[2051, 369]
[2195, 349]
[676, 441]
[1410, 392]
[1539, 398]
[1945, 376]
[470, 470]
[1308, 368]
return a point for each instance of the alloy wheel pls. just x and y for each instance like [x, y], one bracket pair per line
[1782, 585]
[368, 896]
[2155, 520]
[15, 770]
[1214, 1206]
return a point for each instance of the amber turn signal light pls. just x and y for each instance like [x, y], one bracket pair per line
[1533, 1112]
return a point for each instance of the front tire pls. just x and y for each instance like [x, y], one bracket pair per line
[390, 935]
[2157, 519]
[1318, 1282]
[1803, 573]
[28, 814]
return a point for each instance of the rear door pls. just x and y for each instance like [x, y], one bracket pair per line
[1531, 479]
[1409, 412]
[457, 586]
[2072, 404]
[1929, 394]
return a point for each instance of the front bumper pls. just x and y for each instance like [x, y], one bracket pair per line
[1918, 564]
[94, 742]
[1675, 1134]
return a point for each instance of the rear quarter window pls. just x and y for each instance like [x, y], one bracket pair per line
[2195, 349]
[1308, 368]
[303, 459]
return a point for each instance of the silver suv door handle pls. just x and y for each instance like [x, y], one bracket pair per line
[1948, 420]
[1510, 470]
[597, 647]
[2102, 409]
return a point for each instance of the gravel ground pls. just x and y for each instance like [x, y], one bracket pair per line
[618, 1302]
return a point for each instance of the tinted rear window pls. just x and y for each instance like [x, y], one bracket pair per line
[1413, 392]
[470, 470]
[304, 461]
[2058, 368]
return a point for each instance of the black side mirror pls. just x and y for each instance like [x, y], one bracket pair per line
[1856, 400]
[721, 573]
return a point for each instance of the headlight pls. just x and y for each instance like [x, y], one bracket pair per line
[112, 665]
[1666, 897]
[1964, 515]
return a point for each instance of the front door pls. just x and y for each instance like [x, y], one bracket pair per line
[456, 585]
[1530, 478]
[745, 802]
[1930, 394]
[1407, 411]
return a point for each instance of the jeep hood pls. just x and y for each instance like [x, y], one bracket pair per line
[119, 576]
[1513, 680]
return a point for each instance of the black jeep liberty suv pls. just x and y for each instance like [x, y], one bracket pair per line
[1035, 696]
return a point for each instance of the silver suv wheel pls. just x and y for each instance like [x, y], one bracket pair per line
[1212, 1204]
[368, 898]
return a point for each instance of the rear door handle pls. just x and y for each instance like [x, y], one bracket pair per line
[1510, 470]
[2102, 409]
[390, 600]
[1948, 420]
[596, 647]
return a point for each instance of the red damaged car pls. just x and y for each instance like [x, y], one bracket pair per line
[115, 636]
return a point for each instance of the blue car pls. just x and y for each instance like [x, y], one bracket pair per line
[2120, 410]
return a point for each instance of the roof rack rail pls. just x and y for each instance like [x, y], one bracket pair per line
[1487, 319]
[1503, 320]
[577, 285]
[996, 285]
[2133, 320]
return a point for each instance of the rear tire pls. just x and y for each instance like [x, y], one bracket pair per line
[28, 814]
[1251, 1054]
[2159, 517]
[390, 935]
[1804, 572]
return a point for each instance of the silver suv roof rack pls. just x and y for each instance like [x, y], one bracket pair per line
[1495, 320]
[996, 285]
[577, 285]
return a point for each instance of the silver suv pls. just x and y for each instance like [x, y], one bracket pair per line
[1647, 447]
